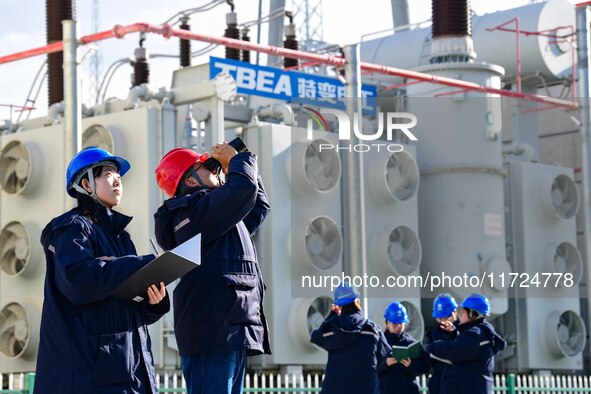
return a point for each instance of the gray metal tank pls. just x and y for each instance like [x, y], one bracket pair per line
[411, 48]
[461, 208]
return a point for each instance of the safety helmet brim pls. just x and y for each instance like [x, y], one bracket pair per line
[345, 301]
[89, 158]
[477, 302]
[396, 313]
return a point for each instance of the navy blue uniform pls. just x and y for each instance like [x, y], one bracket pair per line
[356, 346]
[397, 378]
[218, 306]
[438, 367]
[472, 354]
[92, 342]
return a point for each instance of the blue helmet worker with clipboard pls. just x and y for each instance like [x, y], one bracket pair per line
[92, 341]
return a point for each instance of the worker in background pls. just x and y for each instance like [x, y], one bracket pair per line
[218, 306]
[472, 352]
[400, 376]
[355, 345]
[444, 312]
[91, 341]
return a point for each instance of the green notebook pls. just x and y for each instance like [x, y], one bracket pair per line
[411, 351]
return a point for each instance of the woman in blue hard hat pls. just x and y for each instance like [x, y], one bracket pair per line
[400, 376]
[471, 353]
[355, 345]
[444, 312]
[90, 341]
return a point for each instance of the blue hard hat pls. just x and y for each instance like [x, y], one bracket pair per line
[477, 302]
[443, 306]
[86, 159]
[345, 294]
[396, 313]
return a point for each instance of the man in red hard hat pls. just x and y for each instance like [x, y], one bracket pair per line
[218, 307]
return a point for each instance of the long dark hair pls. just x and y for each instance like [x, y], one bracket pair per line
[86, 205]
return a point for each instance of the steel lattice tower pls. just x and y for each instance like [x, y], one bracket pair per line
[96, 57]
[308, 17]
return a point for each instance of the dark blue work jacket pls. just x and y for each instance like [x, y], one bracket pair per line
[472, 354]
[397, 378]
[438, 367]
[218, 306]
[90, 341]
[356, 347]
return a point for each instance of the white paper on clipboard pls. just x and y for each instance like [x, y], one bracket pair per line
[190, 249]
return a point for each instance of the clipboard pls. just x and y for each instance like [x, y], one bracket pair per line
[166, 268]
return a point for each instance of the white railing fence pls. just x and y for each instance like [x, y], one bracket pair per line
[173, 382]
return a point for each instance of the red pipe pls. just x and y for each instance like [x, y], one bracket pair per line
[466, 85]
[50, 48]
[117, 32]
[167, 31]
[570, 38]
[502, 27]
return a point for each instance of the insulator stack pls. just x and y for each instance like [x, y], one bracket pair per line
[245, 52]
[185, 47]
[232, 31]
[451, 17]
[291, 42]
[141, 67]
[56, 12]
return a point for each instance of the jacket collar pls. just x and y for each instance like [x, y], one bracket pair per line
[468, 325]
[395, 337]
[113, 221]
[349, 322]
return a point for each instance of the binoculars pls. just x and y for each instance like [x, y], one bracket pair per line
[213, 165]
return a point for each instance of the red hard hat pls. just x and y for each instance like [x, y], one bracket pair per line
[172, 167]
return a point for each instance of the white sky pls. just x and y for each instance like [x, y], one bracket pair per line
[22, 27]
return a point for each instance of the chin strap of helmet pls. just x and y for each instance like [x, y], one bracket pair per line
[197, 178]
[92, 182]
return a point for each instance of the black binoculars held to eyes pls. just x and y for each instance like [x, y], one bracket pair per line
[213, 165]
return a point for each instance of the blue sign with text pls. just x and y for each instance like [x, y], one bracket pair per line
[288, 85]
